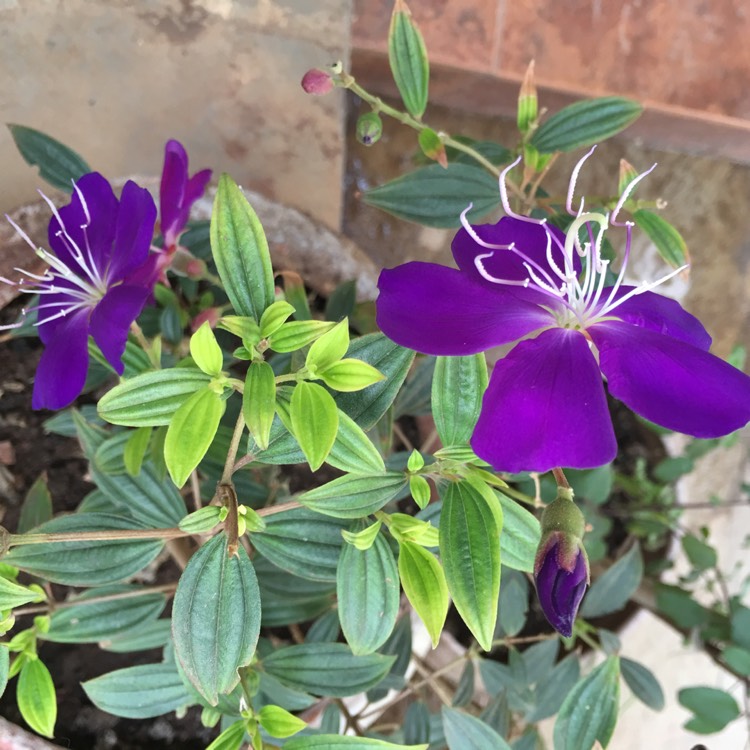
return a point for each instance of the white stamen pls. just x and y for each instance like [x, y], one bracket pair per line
[572, 184]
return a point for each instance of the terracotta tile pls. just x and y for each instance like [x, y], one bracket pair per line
[690, 53]
[461, 34]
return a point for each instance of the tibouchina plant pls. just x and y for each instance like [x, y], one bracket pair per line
[276, 450]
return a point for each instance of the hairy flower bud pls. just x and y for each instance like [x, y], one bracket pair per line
[369, 128]
[317, 82]
[561, 568]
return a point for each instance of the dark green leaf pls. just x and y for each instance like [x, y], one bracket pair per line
[368, 595]
[436, 196]
[240, 251]
[354, 495]
[642, 682]
[36, 507]
[713, 708]
[216, 618]
[59, 165]
[513, 603]
[341, 742]
[611, 591]
[552, 691]
[407, 56]
[668, 240]
[679, 606]
[149, 634]
[470, 550]
[465, 688]
[585, 123]
[417, 723]
[457, 389]
[140, 692]
[341, 301]
[702, 556]
[738, 659]
[328, 669]
[589, 712]
[85, 563]
[414, 399]
[464, 732]
[740, 626]
[539, 659]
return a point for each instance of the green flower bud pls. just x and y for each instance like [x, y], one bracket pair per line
[369, 128]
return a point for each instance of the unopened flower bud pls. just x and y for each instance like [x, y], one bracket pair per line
[317, 82]
[369, 128]
[561, 568]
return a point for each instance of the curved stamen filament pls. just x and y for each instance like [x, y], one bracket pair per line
[572, 185]
[645, 286]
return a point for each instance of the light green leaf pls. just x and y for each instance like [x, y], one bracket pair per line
[205, 350]
[58, 165]
[329, 348]
[231, 738]
[191, 432]
[464, 732]
[240, 251]
[274, 317]
[585, 123]
[642, 682]
[329, 669]
[424, 585]
[139, 692]
[521, 535]
[354, 495]
[713, 708]
[151, 399]
[258, 402]
[668, 240]
[216, 618]
[589, 712]
[348, 375]
[408, 59]
[35, 694]
[341, 742]
[4, 668]
[296, 334]
[315, 421]
[436, 196]
[611, 591]
[13, 595]
[278, 722]
[457, 389]
[470, 550]
[135, 449]
[368, 595]
[353, 451]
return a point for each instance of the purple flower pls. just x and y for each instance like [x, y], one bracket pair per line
[100, 275]
[561, 574]
[178, 192]
[521, 280]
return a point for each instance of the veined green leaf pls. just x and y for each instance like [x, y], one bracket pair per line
[315, 421]
[641, 681]
[13, 595]
[611, 591]
[457, 389]
[408, 59]
[521, 535]
[354, 495]
[205, 350]
[353, 451]
[713, 708]
[465, 732]
[258, 402]
[342, 742]
[668, 240]
[36, 507]
[35, 694]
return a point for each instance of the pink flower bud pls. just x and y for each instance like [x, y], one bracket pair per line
[317, 82]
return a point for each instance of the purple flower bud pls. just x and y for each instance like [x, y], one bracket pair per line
[561, 574]
[317, 82]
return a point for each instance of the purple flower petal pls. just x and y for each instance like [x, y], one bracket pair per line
[660, 314]
[196, 186]
[545, 407]
[62, 369]
[439, 310]
[134, 231]
[102, 210]
[669, 382]
[111, 319]
[530, 239]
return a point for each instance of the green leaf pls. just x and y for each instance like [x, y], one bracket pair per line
[329, 669]
[552, 691]
[149, 634]
[738, 659]
[303, 543]
[341, 301]
[13, 595]
[368, 595]
[90, 622]
[258, 402]
[465, 732]
[274, 317]
[315, 421]
[642, 682]
[585, 123]
[231, 738]
[408, 59]
[297, 333]
[85, 563]
[216, 618]
[4, 668]
[589, 712]
[354, 495]
[135, 449]
[391, 360]
[436, 196]
[425, 586]
[348, 375]
[740, 626]
[278, 722]
[146, 497]
[140, 692]
[35, 694]
[521, 535]
[470, 550]
[59, 165]
[151, 399]
[36, 507]
[457, 389]
[191, 432]
[713, 708]
[702, 556]
[668, 240]
[329, 348]
[353, 451]
[341, 742]
[513, 604]
[205, 350]
[240, 251]
[611, 591]
[679, 606]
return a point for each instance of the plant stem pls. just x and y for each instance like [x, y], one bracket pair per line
[280, 508]
[239, 427]
[560, 478]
